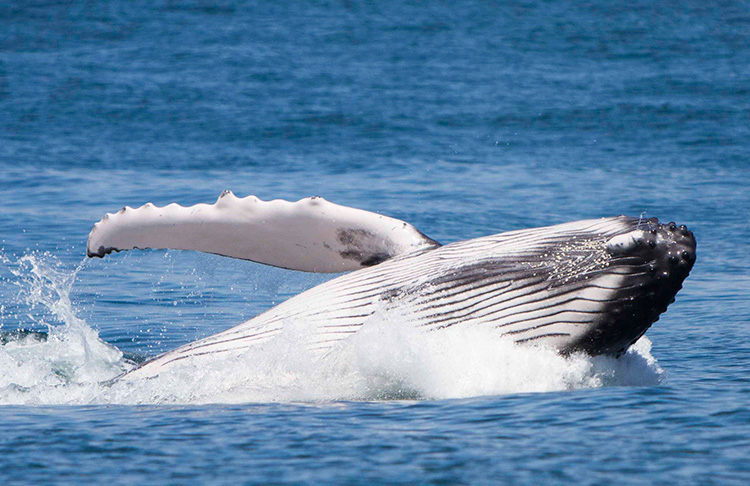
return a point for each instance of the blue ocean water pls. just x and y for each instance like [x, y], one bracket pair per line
[463, 120]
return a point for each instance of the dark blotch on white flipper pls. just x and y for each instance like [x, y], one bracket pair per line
[375, 259]
[356, 244]
[353, 236]
[101, 252]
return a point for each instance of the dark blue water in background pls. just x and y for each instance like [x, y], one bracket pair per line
[463, 120]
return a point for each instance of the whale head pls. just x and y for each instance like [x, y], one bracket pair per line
[654, 260]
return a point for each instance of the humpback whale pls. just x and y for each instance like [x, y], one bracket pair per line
[592, 286]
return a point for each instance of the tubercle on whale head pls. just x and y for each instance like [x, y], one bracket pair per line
[658, 257]
[669, 249]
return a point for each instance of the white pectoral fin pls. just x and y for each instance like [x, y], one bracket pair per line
[311, 235]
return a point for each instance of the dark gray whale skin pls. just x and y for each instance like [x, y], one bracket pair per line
[666, 254]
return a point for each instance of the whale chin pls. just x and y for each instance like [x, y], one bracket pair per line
[654, 260]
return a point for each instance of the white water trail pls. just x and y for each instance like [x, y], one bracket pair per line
[387, 359]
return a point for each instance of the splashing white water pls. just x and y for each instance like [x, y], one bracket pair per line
[386, 359]
[63, 367]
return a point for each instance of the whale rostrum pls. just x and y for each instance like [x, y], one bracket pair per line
[592, 286]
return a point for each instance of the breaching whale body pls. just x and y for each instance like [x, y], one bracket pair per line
[592, 286]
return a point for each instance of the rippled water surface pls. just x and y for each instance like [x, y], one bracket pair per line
[462, 121]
